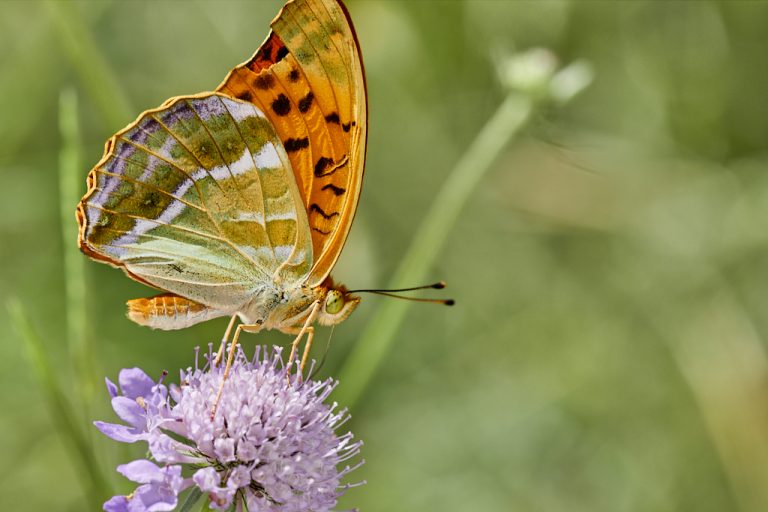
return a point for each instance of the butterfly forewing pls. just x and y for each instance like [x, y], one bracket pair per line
[197, 198]
[308, 79]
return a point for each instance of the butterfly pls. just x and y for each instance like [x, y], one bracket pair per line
[237, 202]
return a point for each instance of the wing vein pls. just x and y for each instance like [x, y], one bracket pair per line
[256, 167]
[153, 187]
[186, 230]
[186, 148]
[218, 148]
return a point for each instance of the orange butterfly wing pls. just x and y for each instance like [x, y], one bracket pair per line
[308, 78]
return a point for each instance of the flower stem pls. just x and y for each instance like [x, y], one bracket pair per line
[70, 180]
[365, 358]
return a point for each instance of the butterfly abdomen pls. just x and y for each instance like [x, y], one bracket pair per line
[169, 312]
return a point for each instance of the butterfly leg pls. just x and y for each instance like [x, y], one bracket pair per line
[310, 331]
[231, 359]
[307, 348]
[224, 340]
[295, 344]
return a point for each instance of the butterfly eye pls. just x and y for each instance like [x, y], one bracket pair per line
[334, 302]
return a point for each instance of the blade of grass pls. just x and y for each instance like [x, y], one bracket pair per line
[718, 350]
[95, 73]
[366, 356]
[723, 359]
[67, 425]
[70, 179]
[192, 498]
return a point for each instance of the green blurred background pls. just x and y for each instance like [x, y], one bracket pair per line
[608, 349]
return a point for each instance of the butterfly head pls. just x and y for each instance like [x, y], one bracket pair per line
[337, 305]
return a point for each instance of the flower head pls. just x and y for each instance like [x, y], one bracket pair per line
[271, 446]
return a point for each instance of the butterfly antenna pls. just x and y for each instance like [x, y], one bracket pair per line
[445, 302]
[435, 286]
[392, 293]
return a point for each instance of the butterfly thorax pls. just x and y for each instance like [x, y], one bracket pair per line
[281, 308]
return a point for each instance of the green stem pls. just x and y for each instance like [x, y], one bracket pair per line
[369, 352]
[67, 424]
[70, 180]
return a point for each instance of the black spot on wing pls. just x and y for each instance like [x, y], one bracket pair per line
[245, 96]
[281, 53]
[282, 105]
[306, 102]
[272, 51]
[337, 191]
[264, 81]
[265, 54]
[326, 233]
[293, 76]
[332, 118]
[322, 164]
[293, 145]
[315, 208]
[326, 166]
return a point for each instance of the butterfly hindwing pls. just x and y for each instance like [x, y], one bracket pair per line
[197, 198]
[308, 79]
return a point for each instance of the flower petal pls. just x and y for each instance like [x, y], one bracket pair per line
[246, 450]
[167, 450]
[239, 477]
[129, 411]
[175, 392]
[221, 499]
[141, 471]
[224, 449]
[155, 498]
[111, 387]
[135, 383]
[119, 432]
[116, 504]
[174, 480]
[207, 479]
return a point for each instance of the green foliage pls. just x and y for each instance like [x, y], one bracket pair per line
[65, 420]
[428, 240]
[607, 351]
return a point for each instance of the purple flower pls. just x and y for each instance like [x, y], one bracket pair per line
[160, 489]
[272, 445]
[137, 406]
